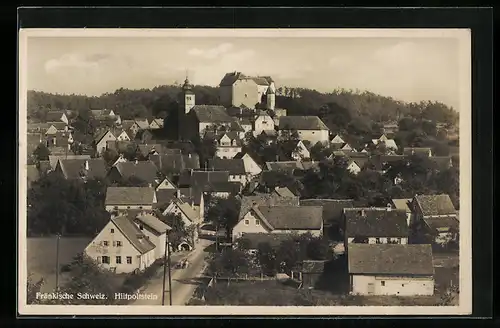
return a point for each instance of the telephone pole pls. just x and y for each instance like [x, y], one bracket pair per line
[167, 262]
[57, 261]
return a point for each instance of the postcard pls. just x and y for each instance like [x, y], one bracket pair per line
[244, 172]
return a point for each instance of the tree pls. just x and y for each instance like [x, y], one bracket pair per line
[88, 277]
[318, 249]
[267, 259]
[223, 212]
[110, 156]
[230, 263]
[32, 288]
[41, 153]
[179, 232]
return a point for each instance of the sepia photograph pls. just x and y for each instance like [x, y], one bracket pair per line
[244, 171]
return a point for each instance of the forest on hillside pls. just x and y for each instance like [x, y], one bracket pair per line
[339, 105]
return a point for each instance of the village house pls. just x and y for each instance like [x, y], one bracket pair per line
[156, 123]
[337, 140]
[202, 118]
[283, 192]
[120, 199]
[263, 122]
[436, 215]
[280, 219]
[252, 168]
[288, 166]
[237, 89]
[175, 164]
[403, 204]
[167, 184]
[53, 159]
[375, 226]
[385, 269]
[121, 135]
[155, 231]
[389, 144]
[420, 151]
[228, 144]
[101, 139]
[252, 241]
[57, 116]
[38, 127]
[295, 150]
[58, 140]
[310, 128]
[143, 170]
[54, 127]
[130, 128]
[235, 167]
[185, 210]
[141, 124]
[121, 247]
[150, 149]
[333, 215]
[81, 168]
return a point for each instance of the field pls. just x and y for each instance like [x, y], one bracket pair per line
[268, 293]
[41, 257]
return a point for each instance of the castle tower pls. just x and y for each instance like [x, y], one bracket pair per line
[188, 94]
[271, 98]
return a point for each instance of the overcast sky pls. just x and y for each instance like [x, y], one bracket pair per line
[409, 69]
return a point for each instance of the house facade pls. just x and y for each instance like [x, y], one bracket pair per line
[375, 226]
[228, 145]
[120, 199]
[154, 230]
[280, 220]
[309, 128]
[263, 122]
[121, 247]
[102, 139]
[399, 270]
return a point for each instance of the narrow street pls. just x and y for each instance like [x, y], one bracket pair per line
[182, 286]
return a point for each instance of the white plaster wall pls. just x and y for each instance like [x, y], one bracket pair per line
[227, 152]
[399, 286]
[313, 135]
[252, 226]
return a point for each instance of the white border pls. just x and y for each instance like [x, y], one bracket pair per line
[465, 301]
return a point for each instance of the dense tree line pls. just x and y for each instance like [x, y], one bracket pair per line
[335, 108]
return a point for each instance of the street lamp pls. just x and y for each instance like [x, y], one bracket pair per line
[167, 262]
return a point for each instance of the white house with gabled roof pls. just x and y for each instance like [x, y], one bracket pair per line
[121, 247]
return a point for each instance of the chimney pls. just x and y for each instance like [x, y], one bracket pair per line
[389, 207]
[362, 212]
[86, 165]
[189, 155]
[136, 162]
[150, 185]
[178, 193]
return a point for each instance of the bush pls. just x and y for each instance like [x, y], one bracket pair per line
[136, 281]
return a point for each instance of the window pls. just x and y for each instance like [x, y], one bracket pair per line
[257, 222]
[105, 243]
[128, 207]
[246, 95]
[118, 260]
[112, 230]
[377, 240]
[188, 97]
[141, 227]
[382, 283]
[116, 207]
[105, 259]
[140, 207]
[247, 222]
[313, 132]
[129, 259]
[118, 244]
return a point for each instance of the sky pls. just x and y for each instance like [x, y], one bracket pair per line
[408, 69]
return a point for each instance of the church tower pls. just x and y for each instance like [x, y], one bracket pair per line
[188, 94]
[271, 98]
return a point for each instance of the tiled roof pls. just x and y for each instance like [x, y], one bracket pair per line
[284, 166]
[226, 187]
[273, 239]
[435, 204]
[144, 170]
[284, 192]
[129, 196]
[120, 146]
[127, 124]
[176, 163]
[376, 222]
[332, 208]
[188, 211]
[165, 196]
[230, 78]
[133, 234]
[307, 165]
[265, 199]
[142, 123]
[292, 217]
[53, 159]
[147, 149]
[310, 266]
[38, 127]
[153, 222]
[301, 123]
[54, 115]
[60, 126]
[212, 114]
[445, 223]
[233, 166]
[75, 168]
[394, 259]
[192, 193]
[200, 178]
[402, 204]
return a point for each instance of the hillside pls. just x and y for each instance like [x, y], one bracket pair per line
[335, 108]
